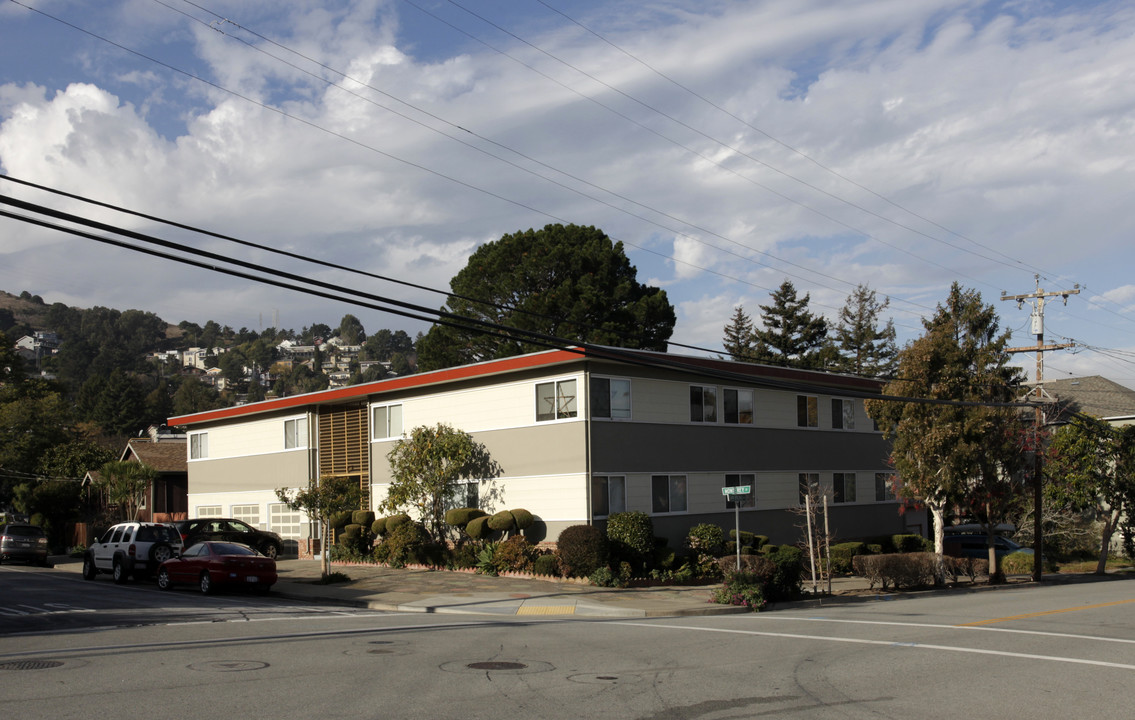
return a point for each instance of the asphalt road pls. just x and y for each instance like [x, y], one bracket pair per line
[97, 649]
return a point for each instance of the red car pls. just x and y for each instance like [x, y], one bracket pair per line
[212, 564]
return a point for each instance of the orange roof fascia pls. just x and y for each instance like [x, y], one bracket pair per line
[462, 372]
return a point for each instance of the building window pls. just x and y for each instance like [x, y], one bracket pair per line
[608, 495]
[843, 487]
[248, 513]
[668, 493]
[386, 422]
[468, 493]
[703, 403]
[843, 414]
[555, 400]
[207, 511]
[738, 406]
[884, 490]
[611, 398]
[807, 411]
[198, 446]
[283, 521]
[295, 433]
[809, 484]
[736, 480]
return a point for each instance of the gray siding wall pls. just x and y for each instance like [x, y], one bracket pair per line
[255, 472]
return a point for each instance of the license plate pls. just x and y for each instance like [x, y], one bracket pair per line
[252, 579]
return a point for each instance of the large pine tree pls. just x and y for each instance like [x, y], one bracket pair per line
[791, 335]
[864, 347]
[739, 341]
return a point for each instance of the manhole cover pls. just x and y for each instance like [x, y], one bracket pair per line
[31, 665]
[498, 667]
[229, 666]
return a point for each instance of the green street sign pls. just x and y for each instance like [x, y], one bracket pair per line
[737, 490]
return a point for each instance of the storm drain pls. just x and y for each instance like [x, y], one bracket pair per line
[31, 665]
[498, 667]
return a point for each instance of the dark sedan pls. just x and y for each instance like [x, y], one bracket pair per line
[230, 530]
[210, 565]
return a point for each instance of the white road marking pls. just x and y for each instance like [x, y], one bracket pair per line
[982, 628]
[887, 643]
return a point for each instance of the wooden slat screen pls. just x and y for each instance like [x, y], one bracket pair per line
[344, 444]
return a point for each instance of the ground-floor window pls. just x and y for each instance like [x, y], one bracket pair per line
[608, 495]
[884, 489]
[737, 480]
[809, 484]
[468, 493]
[668, 493]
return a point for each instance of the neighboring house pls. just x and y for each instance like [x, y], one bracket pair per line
[578, 435]
[1094, 395]
[167, 498]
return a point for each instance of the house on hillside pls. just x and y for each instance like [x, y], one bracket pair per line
[579, 435]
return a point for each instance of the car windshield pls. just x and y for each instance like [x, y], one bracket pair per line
[23, 530]
[232, 549]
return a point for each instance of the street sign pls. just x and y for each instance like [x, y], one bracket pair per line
[737, 490]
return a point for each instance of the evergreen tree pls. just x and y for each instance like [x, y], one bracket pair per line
[791, 335]
[864, 348]
[739, 340]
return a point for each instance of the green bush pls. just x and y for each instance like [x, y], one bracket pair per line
[378, 527]
[843, 552]
[786, 582]
[405, 544]
[886, 543]
[581, 550]
[340, 520]
[478, 528]
[631, 538]
[707, 541]
[606, 577]
[742, 588]
[546, 564]
[395, 521]
[463, 557]
[523, 518]
[897, 570]
[514, 555]
[363, 517]
[460, 517]
[965, 566]
[911, 544]
[502, 521]
[485, 555]
[1017, 563]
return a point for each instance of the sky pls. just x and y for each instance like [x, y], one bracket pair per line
[904, 144]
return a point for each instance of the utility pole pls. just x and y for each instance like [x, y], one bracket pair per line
[1037, 299]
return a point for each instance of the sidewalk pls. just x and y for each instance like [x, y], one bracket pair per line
[441, 591]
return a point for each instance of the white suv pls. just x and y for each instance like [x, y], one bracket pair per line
[131, 549]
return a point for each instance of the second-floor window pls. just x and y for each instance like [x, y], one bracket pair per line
[703, 403]
[198, 446]
[386, 422]
[807, 411]
[611, 398]
[738, 406]
[555, 400]
[843, 414]
[295, 433]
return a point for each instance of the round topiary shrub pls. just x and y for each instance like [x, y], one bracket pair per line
[478, 528]
[460, 517]
[581, 550]
[362, 517]
[502, 521]
[546, 564]
[631, 535]
[378, 527]
[340, 519]
[394, 521]
[523, 518]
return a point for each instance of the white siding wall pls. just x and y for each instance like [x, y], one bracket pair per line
[253, 437]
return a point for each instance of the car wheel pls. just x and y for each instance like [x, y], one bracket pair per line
[89, 569]
[262, 589]
[119, 573]
[206, 583]
[160, 552]
[270, 551]
[164, 581]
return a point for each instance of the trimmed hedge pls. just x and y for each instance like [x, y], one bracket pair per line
[362, 517]
[523, 518]
[897, 570]
[546, 564]
[581, 550]
[842, 553]
[502, 521]
[340, 519]
[460, 517]
[478, 528]
[631, 535]
[911, 544]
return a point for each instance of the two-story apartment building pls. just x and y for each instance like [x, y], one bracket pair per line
[578, 435]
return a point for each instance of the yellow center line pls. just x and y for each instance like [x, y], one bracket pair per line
[1045, 612]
